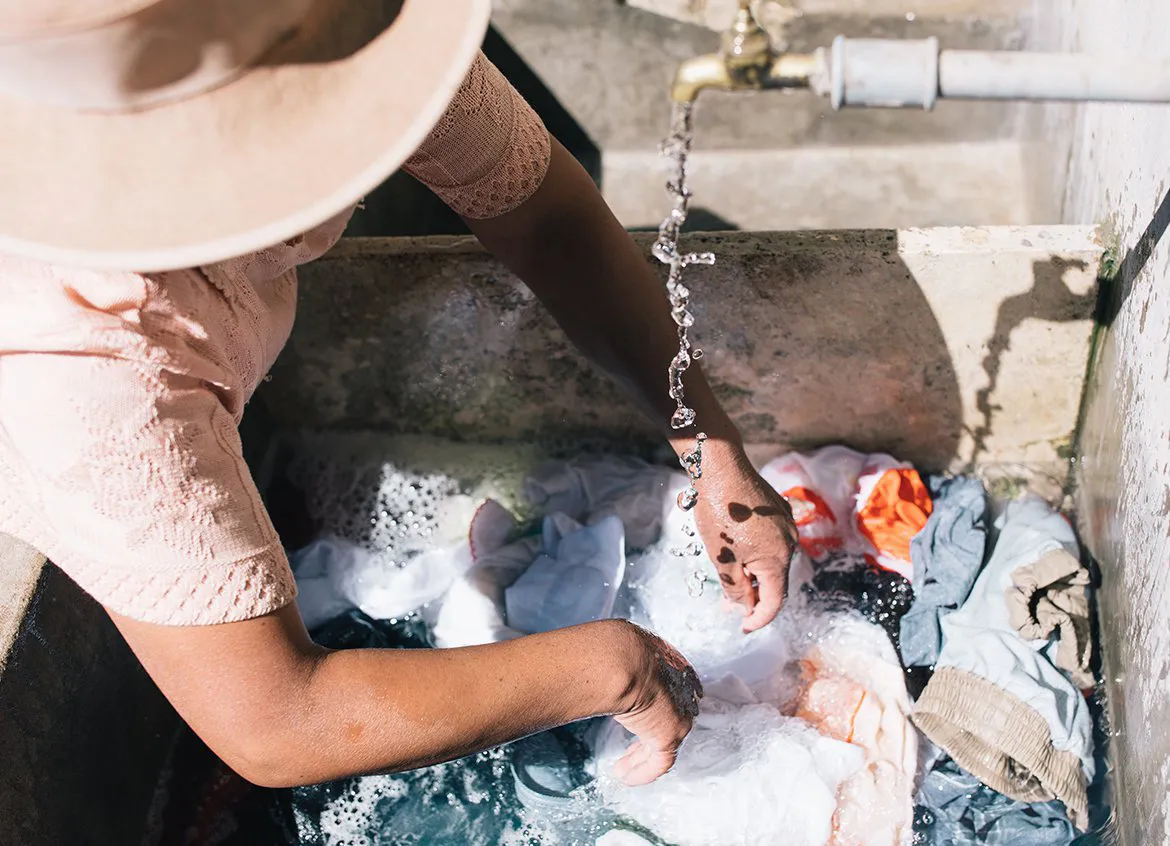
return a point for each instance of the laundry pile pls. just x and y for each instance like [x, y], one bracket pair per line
[808, 733]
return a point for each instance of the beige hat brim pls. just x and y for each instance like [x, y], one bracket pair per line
[236, 169]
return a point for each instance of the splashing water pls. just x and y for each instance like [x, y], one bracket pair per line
[677, 147]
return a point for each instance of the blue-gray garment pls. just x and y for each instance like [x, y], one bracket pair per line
[947, 556]
[956, 809]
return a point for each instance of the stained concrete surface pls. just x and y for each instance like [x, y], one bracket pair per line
[947, 347]
[1111, 164]
[852, 187]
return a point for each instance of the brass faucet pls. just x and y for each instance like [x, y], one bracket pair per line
[746, 61]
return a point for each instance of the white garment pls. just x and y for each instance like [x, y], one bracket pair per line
[472, 612]
[827, 489]
[334, 576]
[746, 775]
[573, 580]
[589, 490]
[619, 837]
[980, 639]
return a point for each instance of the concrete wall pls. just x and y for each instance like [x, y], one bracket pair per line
[1112, 164]
[952, 348]
[83, 730]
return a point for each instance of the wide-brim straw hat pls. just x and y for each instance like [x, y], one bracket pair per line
[152, 135]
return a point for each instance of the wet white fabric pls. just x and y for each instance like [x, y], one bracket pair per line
[589, 490]
[618, 837]
[334, 575]
[472, 612]
[574, 578]
[747, 775]
[980, 639]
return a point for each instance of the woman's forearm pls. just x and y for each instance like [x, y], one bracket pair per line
[284, 712]
[390, 710]
[566, 245]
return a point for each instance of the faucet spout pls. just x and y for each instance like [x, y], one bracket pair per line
[701, 72]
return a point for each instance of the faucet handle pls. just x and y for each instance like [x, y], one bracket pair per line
[745, 45]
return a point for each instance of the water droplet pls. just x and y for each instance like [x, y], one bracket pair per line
[696, 581]
[688, 498]
[663, 251]
[682, 417]
[688, 530]
[694, 548]
[698, 353]
[698, 258]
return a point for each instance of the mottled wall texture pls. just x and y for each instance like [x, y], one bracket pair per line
[949, 347]
[1116, 171]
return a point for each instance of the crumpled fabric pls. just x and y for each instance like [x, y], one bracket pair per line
[335, 575]
[847, 502]
[747, 775]
[590, 489]
[893, 505]
[947, 555]
[848, 692]
[997, 703]
[472, 611]
[956, 809]
[1051, 599]
[574, 579]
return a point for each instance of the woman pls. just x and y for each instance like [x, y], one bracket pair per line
[179, 139]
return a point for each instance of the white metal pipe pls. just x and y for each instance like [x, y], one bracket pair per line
[914, 74]
[977, 75]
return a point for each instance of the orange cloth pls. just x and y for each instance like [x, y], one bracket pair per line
[895, 512]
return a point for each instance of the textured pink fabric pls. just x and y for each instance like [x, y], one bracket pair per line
[489, 152]
[120, 393]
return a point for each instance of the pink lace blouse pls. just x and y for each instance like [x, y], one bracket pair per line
[120, 393]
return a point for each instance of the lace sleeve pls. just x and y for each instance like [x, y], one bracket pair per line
[489, 152]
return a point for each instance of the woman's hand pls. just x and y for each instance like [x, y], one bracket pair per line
[748, 531]
[660, 708]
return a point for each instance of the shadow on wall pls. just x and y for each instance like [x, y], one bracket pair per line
[811, 338]
[1120, 282]
[1049, 299]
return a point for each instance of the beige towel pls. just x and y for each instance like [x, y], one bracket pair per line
[1051, 596]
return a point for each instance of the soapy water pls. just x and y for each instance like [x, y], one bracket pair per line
[677, 148]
